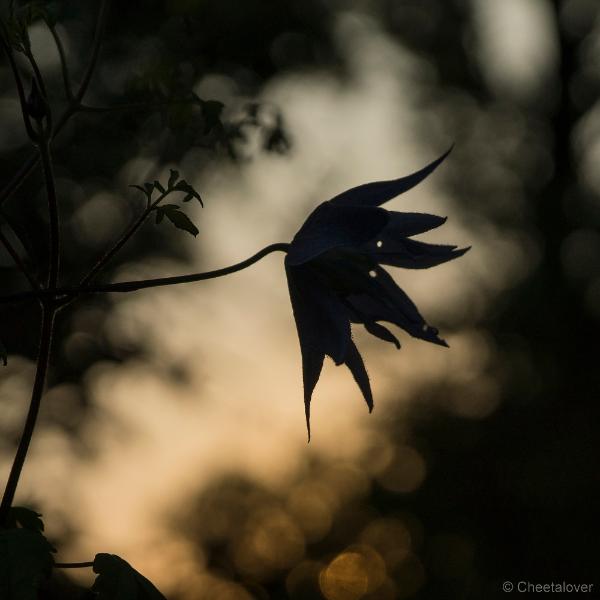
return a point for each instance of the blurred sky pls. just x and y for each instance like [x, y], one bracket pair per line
[155, 442]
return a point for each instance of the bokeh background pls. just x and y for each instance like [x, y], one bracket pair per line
[172, 432]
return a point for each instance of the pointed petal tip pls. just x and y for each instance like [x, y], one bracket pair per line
[445, 154]
[307, 414]
[458, 252]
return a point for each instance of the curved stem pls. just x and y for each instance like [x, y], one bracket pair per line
[34, 406]
[133, 286]
[67, 293]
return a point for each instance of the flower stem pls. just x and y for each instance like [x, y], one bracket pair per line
[133, 286]
[67, 293]
[36, 396]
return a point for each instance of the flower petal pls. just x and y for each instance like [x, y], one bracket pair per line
[378, 192]
[330, 227]
[323, 327]
[413, 254]
[383, 333]
[312, 364]
[403, 224]
[392, 304]
[356, 365]
[321, 318]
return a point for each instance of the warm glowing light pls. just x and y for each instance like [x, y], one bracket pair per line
[405, 473]
[391, 539]
[346, 577]
[272, 541]
[359, 570]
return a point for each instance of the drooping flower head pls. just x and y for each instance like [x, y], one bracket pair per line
[335, 276]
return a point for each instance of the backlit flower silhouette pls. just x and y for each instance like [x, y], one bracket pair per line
[335, 276]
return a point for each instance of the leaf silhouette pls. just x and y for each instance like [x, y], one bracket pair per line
[177, 217]
[184, 186]
[118, 580]
[19, 516]
[173, 177]
[25, 561]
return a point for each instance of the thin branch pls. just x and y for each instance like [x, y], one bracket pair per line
[23, 172]
[75, 565]
[107, 256]
[67, 293]
[54, 241]
[135, 106]
[98, 35]
[34, 406]
[64, 67]
[18, 261]
[19, 83]
[18, 178]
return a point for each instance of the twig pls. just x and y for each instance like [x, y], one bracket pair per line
[79, 565]
[54, 241]
[98, 34]
[19, 83]
[106, 257]
[18, 261]
[134, 106]
[64, 67]
[23, 172]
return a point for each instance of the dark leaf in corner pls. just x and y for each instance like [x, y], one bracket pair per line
[18, 516]
[25, 561]
[118, 580]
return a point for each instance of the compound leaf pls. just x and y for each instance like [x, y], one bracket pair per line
[19, 516]
[25, 561]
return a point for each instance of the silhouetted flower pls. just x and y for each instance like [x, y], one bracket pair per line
[335, 277]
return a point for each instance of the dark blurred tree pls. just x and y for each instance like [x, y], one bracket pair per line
[514, 496]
